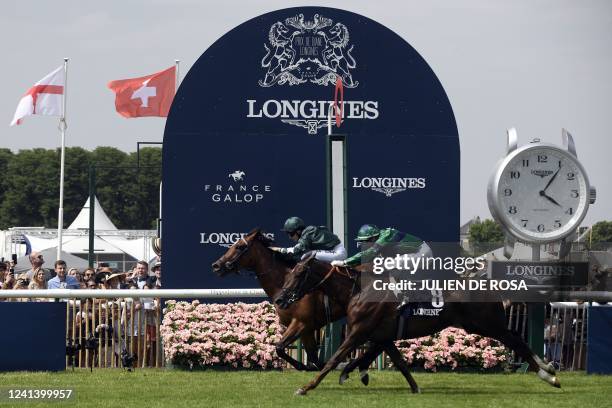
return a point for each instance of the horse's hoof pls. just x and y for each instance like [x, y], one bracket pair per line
[300, 391]
[551, 379]
[365, 377]
[343, 378]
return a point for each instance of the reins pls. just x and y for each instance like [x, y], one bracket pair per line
[333, 269]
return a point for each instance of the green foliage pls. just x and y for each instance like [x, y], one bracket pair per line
[601, 236]
[234, 388]
[485, 236]
[29, 188]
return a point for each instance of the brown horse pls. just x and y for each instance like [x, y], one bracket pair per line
[378, 321]
[302, 318]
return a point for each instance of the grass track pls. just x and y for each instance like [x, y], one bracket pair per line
[173, 388]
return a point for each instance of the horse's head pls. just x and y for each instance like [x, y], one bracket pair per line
[302, 279]
[241, 254]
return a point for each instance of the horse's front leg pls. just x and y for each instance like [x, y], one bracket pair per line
[294, 330]
[401, 365]
[353, 340]
[363, 362]
[310, 345]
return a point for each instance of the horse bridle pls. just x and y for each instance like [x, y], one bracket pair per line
[241, 252]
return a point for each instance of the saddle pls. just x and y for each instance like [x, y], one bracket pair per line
[415, 309]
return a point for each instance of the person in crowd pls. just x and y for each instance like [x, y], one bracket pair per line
[21, 283]
[102, 274]
[37, 261]
[89, 274]
[324, 243]
[156, 279]
[142, 274]
[38, 281]
[3, 272]
[62, 280]
[8, 280]
[114, 281]
[79, 277]
[91, 284]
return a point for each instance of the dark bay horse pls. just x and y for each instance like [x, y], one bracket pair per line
[302, 318]
[378, 322]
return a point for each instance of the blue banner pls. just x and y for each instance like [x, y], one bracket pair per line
[244, 144]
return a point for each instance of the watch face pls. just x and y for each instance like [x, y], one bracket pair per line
[542, 193]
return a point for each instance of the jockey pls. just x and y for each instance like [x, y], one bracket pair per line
[385, 242]
[323, 242]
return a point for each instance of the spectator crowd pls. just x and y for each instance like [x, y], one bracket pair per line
[63, 277]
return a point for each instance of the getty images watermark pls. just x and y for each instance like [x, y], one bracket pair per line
[427, 277]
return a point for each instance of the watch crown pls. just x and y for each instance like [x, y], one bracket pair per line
[592, 195]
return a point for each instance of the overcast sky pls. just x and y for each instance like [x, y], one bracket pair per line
[535, 65]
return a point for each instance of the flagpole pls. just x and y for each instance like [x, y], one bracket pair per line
[178, 76]
[62, 126]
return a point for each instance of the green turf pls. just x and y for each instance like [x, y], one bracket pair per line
[173, 388]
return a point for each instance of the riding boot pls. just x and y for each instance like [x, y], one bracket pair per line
[403, 304]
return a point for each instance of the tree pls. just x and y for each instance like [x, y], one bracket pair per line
[29, 188]
[601, 236]
[485, 236]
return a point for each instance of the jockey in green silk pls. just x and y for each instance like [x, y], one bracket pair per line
[385, 242]
[323, 242]
[381, 239]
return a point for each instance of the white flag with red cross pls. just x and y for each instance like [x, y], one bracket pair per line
[44, 98]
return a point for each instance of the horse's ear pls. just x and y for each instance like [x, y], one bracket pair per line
[255, 231]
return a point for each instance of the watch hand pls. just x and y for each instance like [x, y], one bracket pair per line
[551, 179]
[552, 200]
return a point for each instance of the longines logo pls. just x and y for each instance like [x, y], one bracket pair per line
[311, 115]
[312, 52]
[542, 173]
[540, 273]
[308, 51]
[225, 239]
[237, 190]
[389, 185]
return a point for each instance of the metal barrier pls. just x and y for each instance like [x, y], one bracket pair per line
[117, 327]
[107, 328]
[565, 335]
[107, 333]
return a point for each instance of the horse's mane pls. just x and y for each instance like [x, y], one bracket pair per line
[267, 242]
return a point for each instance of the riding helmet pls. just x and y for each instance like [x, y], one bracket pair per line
[293, 224]
[367, 231]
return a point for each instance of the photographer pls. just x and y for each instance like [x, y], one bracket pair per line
[21, 283]
[8, 277]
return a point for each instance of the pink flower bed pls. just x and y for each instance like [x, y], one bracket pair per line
[238, 335]
[242, 335]
[453, 348]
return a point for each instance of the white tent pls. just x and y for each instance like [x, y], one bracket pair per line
[101, 220]
[72, 261]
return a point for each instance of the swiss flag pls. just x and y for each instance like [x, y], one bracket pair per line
[149, 95]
